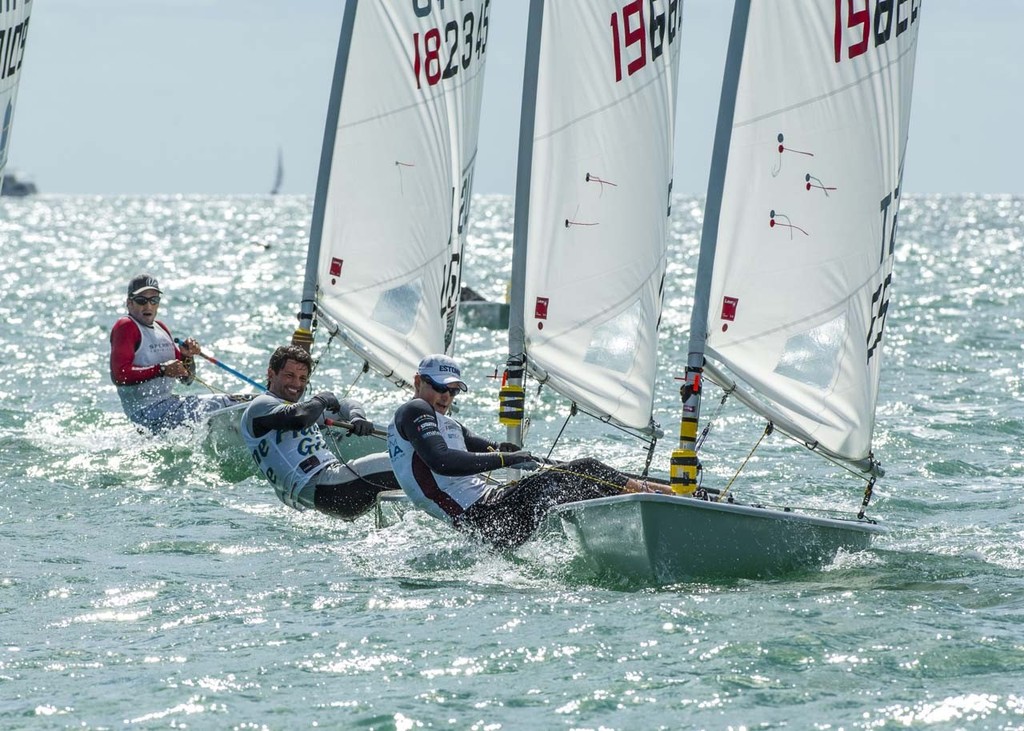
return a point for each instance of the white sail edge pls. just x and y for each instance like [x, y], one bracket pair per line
[780, 421]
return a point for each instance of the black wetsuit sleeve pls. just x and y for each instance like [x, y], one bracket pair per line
[417, 423]
[293, 416]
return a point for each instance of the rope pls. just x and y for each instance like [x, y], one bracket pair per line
[707, 427]
[573, 473]
[769, 428]
[869, 486]
[572, 412]
[210, 386]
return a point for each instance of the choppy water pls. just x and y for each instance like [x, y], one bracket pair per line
[144, 584]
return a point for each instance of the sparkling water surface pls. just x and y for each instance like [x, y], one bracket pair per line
[147, 583]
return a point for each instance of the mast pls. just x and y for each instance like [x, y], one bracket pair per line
[303, 335]
[684, 464]
[512, 397]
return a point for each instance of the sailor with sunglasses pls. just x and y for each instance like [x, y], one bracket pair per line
[443, 467]
[145, 363]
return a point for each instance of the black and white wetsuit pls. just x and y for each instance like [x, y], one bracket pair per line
[290, 450]
[438, 462]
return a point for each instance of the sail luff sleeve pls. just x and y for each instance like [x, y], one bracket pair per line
[309, 285]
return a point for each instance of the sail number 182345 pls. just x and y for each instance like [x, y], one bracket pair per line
[442, 53]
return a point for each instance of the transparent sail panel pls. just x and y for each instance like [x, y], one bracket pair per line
[614, 345]
[398, 308]
[813, 357]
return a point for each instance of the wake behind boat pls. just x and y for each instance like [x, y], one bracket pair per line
[793, 283]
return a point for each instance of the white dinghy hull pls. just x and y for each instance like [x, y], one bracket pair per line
[662, 539]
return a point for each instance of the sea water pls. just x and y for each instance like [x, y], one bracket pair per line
[145, 583]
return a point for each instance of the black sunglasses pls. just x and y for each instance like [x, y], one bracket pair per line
[140, 300]
[453, 390]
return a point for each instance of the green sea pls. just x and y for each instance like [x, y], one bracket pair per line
[150, 583]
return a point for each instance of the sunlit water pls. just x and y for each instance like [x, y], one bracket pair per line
[147, 584]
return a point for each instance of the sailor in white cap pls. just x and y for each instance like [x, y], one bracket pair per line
[440, 464]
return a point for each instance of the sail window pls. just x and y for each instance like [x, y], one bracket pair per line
[615, 343]
[397, 308]
[812, 357]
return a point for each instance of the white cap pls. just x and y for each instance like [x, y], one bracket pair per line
[442, 370]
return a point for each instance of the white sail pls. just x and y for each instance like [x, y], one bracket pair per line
[802, 268]
[14, 22]
[395, 179]
[593, 199]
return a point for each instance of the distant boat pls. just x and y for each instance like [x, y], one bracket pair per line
[15, 188]
[477, 311]
[13, 33]
[278, 174]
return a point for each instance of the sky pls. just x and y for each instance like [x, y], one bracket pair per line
[196, 96]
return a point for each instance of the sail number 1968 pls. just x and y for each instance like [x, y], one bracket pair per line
[632, 34]
[888, 19]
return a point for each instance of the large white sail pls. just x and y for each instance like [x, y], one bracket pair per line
[393, 196]
[14, 22]
[803, 263]
[593, 199]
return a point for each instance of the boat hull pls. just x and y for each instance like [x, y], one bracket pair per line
[662, 539]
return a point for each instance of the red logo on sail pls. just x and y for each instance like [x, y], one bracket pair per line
[336, 266]
[540, 310]
[729, 305]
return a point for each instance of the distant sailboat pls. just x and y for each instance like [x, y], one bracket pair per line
[13, 33]
[278, 174]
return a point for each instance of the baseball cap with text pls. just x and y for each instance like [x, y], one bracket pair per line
[442, 370]
[142, 282]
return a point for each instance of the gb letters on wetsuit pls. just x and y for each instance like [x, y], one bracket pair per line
[286, 444]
